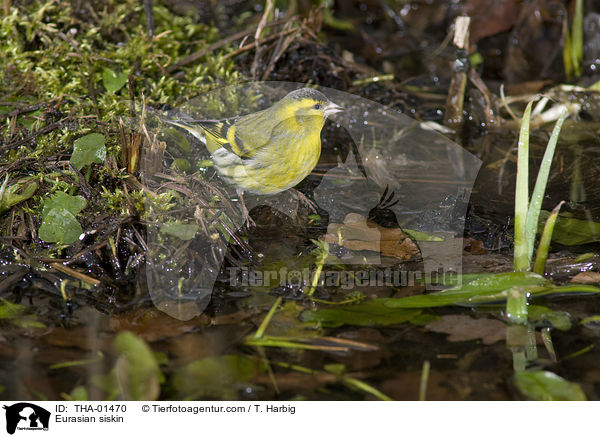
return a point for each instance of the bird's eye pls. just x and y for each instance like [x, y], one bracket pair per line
[317, 106]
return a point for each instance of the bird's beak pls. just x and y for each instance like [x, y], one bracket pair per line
[332, 108]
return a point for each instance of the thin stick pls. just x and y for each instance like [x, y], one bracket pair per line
[456, 92]
[217, 45]
[265, 323]
[74, 273]
[149, 17]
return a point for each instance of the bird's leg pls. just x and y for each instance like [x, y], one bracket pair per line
[245, 213]
[306, 201]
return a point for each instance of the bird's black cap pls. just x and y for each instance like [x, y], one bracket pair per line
[307, 93]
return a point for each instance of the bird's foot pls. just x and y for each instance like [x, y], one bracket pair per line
[310, 204]
[245, 213]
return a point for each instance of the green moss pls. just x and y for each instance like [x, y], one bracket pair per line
[52, 53]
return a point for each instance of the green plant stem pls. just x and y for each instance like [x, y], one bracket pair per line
[323, 253]
[516, 305]
[577, 38]
[533, 212]
[424, 380]
[353, 383]
[542, 253]
[263, 326]
[522, 257]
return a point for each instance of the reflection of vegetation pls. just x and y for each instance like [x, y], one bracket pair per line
[546, 386]
[17, 315]
[136, 375]
[573, 42]
[570, 231]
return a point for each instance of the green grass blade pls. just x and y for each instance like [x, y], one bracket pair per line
[567, 59]
[577, 38]
[533, 212]
[522, 252]
[542, 253]
[516, 305]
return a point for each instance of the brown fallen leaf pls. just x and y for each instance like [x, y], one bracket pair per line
[586, 278]
[491, 17]
[475, 247]
[358, 234]
[465, 328]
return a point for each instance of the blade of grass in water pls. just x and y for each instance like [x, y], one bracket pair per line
[516, 305]
[522, 256]
[533, 212]
[489, 289]
[424, 380]
[542, 253]
[577, 38]
[263, 326]
[567, 49]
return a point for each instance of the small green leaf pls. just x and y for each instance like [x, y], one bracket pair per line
[180, 140]
[79, 393]
[9, 310]
[60, 226]
[335, 368]
[370, 313]
[422, 236]
[219, 377]
[137, 370]
[88, 149]
[182, 165]
[571, 231]
[477, 290]
[542, 316]
[60, 200]
[546, 386]
[180, 230]
[112, 80]
[15, 314]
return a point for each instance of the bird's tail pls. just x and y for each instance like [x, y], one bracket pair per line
[196, 131]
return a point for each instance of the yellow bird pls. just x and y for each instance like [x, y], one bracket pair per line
[268, 151]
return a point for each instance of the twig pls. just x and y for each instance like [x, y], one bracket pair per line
[217, 45]
[37, 133]
[149, 17]
[282, 46]
[456, 92]
[485, 92]
[262, 41]
[74, 273]
[20, 111]
[259, 29]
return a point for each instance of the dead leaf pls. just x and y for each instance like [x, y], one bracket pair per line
[151, 324]
[358, 234]
[586, 278]
[465, 328]
[475, 247]
[491, 17]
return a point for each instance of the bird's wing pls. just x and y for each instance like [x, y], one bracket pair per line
[242, 136]
[254, 131]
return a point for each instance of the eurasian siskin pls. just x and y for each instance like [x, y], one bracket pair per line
[268, 151]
